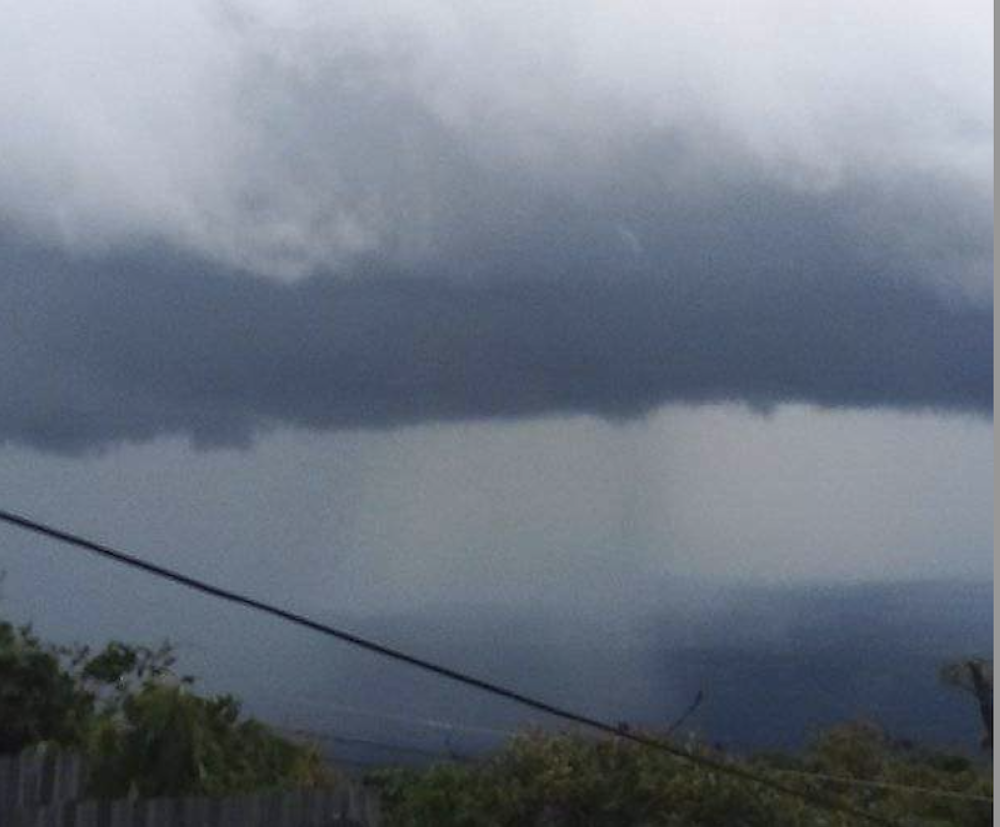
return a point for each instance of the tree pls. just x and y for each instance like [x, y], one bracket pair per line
[140, 726]
[40, 700]
[975, 676]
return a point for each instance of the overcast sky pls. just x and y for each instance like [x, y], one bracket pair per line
[368, 306]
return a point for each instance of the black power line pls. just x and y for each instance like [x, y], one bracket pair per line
[702, 761]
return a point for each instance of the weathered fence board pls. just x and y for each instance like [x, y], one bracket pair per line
[43, 788]
[326, 809]
[38, 777]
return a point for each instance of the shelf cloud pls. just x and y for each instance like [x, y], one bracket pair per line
[220, 218]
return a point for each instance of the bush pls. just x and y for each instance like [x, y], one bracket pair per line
[141, 727]
[573, 781]
[39, 699]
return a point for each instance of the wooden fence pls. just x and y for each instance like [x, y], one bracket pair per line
[43, 788]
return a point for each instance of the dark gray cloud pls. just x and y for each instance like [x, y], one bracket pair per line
[254, 215]
[748, 293]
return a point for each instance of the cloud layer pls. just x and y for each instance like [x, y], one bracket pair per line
[225, 217]
[133, 346]
[289, 137]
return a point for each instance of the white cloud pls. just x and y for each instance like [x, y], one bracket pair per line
[288, 136]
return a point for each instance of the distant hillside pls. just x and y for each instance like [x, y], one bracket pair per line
[775, 664]
[790, 660]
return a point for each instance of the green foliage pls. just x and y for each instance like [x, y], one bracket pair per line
[39, 699]
[168, 741]
[859, 750]
[572, 781]
[142, 728]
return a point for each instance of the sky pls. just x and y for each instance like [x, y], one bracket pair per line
[365, 308]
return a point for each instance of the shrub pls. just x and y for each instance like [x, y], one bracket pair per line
[141, 727]
[561, 780]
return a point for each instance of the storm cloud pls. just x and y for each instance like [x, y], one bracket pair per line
[252, 216]
[777, 304]
[285, 138]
